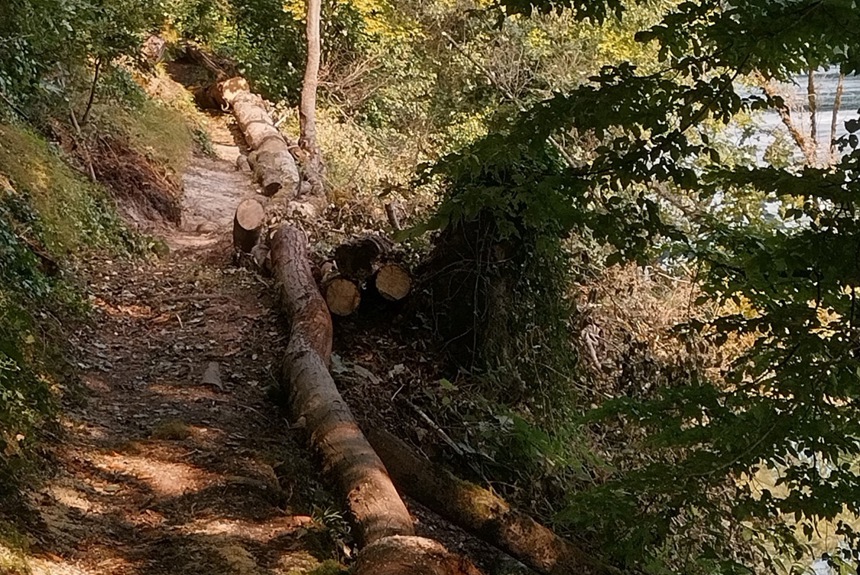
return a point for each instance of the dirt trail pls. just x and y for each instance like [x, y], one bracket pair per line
[162, 470]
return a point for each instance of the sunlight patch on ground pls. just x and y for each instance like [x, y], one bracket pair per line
[256, 531]
[53, 566]
[74, 499]
[164, 478]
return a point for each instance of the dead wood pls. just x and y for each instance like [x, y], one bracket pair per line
[273, 165]
[481, 512]
[384, 527]
[376, 508]
[342, 295]
[201, 58]
[248, 224]
[359, 258]
[413, 555]
[393, 281]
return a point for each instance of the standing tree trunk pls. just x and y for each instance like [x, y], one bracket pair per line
[312, 159]
[307, 110]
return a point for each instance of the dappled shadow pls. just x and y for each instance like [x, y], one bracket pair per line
[161, 470]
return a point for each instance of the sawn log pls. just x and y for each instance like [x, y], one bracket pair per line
[482, 513]
[383, 525]
[273, 165]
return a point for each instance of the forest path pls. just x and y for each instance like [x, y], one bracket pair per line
[163, 469]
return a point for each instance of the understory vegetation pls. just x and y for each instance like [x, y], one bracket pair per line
[644, 293]
[69, 165]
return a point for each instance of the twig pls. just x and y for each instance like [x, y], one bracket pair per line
[439, 431]
[83, 144]
[92, 97]
[510, 95]
[15, 108]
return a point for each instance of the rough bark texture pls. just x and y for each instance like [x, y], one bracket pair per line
[481, 512]
[247, 224]
[399, 555]
[393, 281]
[342, 295]
[376, 507]
[358, 259]
[273, 165]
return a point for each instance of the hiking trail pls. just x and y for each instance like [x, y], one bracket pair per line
[177, 461]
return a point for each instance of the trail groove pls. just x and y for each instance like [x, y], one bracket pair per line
[160, 472]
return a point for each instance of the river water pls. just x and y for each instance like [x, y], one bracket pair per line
[795, 95]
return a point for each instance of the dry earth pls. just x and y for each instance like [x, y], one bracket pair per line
[177, 461]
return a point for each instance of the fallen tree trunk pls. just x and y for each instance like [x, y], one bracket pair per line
[481, 512]
[383, 525]
[248, 224]
[413, 555]
[359, 258]
[273, 165]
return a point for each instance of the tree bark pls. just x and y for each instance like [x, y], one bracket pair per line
[481, 512]
[834, 118]
[383, 525]
[248, 224]
[412, 555]
[802, 142]
[376, 507]
[359, 258]
[307, 109]
[273, 165]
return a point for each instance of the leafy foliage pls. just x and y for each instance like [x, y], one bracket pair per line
[787, 405]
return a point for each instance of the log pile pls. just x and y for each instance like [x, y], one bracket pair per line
[383, 526]
[271, 161]
[366, 264]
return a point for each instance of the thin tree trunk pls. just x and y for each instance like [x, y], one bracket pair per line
[837, 103]
[785, 115]
[813, 110]
[483, 513]
[307, 109]
[92, 97]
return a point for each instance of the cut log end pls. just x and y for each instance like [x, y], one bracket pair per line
[248, 224]
[393, 282]
[342, 296]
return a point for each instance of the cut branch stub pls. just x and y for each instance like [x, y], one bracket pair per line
[342, 295]
[248, 224]
[358, 259]
[393, 281]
